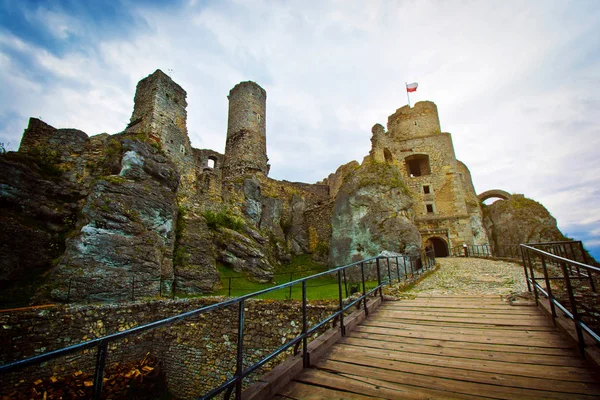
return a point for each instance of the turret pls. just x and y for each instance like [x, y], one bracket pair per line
[246, 146]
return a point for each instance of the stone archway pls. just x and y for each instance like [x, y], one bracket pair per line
[501, 194]
[439, 245]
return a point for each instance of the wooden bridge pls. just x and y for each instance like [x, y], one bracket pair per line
[462, 347]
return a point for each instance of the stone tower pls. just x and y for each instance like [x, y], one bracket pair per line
[447, 209]
[246, 145]
[160, 112]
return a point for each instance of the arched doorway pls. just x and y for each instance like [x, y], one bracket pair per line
[439, 245]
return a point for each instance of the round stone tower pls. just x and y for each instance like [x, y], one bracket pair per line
[246, 146]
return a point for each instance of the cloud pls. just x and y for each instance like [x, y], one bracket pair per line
[516, 83]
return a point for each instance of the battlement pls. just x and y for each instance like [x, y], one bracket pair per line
[411, 122]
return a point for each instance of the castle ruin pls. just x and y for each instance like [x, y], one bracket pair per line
[229, 212]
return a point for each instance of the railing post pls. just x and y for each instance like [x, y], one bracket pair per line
[362, 271]
[99, 373]
[379, 279]
[341, 303]
[587, 262]
[239, 361]
[535, 292]
[397, 269]
[549, 290]
[291, 279]
[525, 269]
[345, 282]
[389, 273]
[576, 316]
[305, 355]
[405, 269]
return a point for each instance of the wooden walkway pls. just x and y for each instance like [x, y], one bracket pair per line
[449, 348]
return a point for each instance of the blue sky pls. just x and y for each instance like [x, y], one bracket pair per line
[516, 83]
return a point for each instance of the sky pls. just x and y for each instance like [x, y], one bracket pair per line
[517, 83]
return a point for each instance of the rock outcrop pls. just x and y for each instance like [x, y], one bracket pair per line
[126, 232]
[372, 212]
[519, 220]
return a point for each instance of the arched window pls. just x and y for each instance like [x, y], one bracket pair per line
[212, 162]
[417, 165]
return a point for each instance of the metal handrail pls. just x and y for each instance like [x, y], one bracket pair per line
[236, 381]
[567, 266]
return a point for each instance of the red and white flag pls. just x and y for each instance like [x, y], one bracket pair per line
[411, 87]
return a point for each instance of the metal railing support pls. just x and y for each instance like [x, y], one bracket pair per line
[549, 290]
[362, 272]
[574, 311]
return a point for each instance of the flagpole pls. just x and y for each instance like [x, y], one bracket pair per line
[407, 93]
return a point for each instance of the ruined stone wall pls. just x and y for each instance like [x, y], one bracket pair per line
[246, 145]
[209, 166]
[196, 354]
[473, 206]
[336, 179]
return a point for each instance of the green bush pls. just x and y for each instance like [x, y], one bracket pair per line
[215, 220]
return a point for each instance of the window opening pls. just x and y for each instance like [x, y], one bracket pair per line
[211, 163]
[426, 189]
[418, 165]
[429, 208]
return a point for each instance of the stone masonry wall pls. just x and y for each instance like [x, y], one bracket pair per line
[196, 354]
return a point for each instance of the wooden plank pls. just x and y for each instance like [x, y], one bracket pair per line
[462, 329]
[518, 358]
[496, 347]
[456, 313]
[551, 343]
[504, 310]
[385, 390]
[302, 391]
[496, 391]
[573, 374]
[488, 321]
[487, 378]
[479, 326]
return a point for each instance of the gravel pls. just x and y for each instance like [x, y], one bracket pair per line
[467, 277]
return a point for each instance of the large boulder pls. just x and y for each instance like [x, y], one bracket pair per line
[372, 213]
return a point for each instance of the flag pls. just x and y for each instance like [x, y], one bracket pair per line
[411, 87]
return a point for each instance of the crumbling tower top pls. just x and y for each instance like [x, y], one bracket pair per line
[160, 112]
[418, 121]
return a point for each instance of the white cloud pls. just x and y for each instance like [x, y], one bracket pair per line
[516, 83]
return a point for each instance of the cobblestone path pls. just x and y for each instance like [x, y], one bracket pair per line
[470, 276]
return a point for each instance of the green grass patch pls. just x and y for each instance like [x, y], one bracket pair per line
[321, 288]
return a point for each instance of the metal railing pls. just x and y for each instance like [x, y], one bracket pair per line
[568, 283]
[385, 269]
[572, 249]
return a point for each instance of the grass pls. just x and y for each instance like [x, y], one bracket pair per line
[321, 288]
